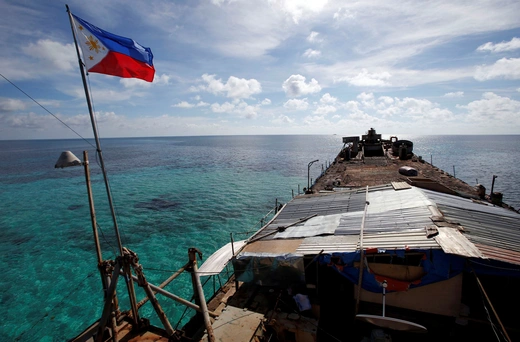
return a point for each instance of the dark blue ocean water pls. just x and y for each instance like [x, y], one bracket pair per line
[170, 194]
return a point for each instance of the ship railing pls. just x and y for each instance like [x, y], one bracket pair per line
[323, 172]
[213, 284]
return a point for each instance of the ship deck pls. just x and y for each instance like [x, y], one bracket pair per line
[371, 171]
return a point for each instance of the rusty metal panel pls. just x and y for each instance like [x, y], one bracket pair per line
[500, 254]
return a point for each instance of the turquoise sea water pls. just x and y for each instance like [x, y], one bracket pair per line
[170, 194]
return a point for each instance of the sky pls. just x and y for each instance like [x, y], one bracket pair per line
[236, 67]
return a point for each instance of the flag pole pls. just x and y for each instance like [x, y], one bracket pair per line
[128, 278]
[94, 128]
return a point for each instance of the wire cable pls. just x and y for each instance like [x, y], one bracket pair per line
[48, 111]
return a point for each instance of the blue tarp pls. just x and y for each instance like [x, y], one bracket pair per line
[437, 265]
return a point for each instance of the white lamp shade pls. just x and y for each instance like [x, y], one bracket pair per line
[67, 159]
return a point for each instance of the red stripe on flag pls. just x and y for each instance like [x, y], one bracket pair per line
[121, 65]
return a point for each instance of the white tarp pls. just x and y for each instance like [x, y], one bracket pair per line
[218, 260]
[319, 225]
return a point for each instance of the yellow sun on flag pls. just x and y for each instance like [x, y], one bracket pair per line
[93, 44]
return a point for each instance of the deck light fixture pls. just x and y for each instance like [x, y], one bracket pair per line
[67, 159]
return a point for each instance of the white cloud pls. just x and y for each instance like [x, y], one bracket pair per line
[317, 120]
[53, 54]
[237, 107]
[310, 53]
[295, 86]
[183, 104]
[11, 105]
[494, 109]
[105, 95]
[29, 121]
[507, 68]
[217, 2]
[454, 94]
[282, 120]
[420, 109]
[352, 106]
[513, 44]
[234, 87]
[327, 98]
[342, 14]
[314, 37]
[247, 111]
[299, 9]
[324, 110]
[110, 95]
[162, 79]
[226, 107]
[186, 104]
[105, 119]
[366, 79]
[296, 104]
[400, 109]
[367, 99]
[265, 102]
[136, 82]
[386, 100]
[242, 88]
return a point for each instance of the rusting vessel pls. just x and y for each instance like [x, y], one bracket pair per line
[371, 252]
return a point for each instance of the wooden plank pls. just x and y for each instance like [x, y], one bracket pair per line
[401, 185]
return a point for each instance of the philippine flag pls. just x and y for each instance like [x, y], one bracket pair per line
[107, 53]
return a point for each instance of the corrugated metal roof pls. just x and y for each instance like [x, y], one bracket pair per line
[319, 205]
[501, 254]
[396, 218]
[329, 244]
[399, 240]
[483, 224]
[388, 211]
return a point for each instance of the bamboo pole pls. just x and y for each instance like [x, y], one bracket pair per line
[176, 298]
[105, 278]
[111, 292]
[203, 306]
[155, 303]
[164, 283]
[199, 292]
